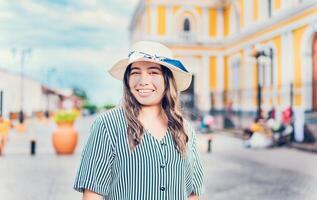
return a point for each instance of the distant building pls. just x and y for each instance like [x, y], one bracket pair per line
[218, 40]
[36, 97]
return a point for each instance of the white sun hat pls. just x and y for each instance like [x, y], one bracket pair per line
[156, 53]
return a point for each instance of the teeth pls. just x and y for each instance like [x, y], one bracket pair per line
[145, 91]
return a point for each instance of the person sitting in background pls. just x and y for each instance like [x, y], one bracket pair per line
[261, 136]
[287, 116]
[255, 126]
[271, 114]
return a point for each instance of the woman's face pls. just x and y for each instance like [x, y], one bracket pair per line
[146, 83]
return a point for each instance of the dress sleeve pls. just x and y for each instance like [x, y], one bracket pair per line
[198, 172]
[94, 171]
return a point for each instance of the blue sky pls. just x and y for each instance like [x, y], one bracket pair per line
[73, 42]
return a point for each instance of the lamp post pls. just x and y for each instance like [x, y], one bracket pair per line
[257, 55]
[24, 53]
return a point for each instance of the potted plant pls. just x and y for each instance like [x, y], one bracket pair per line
[65, 136]
[4, 129]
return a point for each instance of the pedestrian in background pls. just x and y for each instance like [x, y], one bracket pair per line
[143, 149]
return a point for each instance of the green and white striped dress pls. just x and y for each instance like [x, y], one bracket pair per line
[153, 171]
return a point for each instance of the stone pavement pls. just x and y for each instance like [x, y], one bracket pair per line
[44, 175]
[231, 172]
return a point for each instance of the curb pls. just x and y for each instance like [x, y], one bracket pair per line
[300, 146]
[305, 147]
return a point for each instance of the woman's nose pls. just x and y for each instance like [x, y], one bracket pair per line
[144, 79]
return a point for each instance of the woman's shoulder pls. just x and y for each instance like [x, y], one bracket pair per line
[108, 123]
[113, 121]
[113, 115]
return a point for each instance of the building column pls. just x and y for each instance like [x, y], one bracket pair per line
[205, 90]
[169, 21]
[220, 23]
[287, 67]
[154, 20]
[220, 87]
[205, 23]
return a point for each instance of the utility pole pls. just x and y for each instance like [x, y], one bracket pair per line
[257, 55]
[24, 52]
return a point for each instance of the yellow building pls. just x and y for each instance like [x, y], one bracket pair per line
[218, 40]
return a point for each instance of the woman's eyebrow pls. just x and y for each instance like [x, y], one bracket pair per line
[154, 67]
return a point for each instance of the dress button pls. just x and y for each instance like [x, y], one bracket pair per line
[162, 166]
[163, 143]
[162, 188]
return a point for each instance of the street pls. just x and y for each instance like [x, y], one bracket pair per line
[237, 173]
[231, 171]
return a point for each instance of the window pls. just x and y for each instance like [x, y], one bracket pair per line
[186, 26]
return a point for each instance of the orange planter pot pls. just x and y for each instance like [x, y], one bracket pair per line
[65, 139]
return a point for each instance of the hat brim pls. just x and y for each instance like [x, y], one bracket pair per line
[182, 79]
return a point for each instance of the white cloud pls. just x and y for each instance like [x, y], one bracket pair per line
[81, 39]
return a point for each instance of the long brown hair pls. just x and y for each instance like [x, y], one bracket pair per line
[169, 104]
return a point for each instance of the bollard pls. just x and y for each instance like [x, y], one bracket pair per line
[33, 147]
[209, 145]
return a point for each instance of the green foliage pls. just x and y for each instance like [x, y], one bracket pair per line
[92, 108]
[108, 106]
[79, 92]
[65, 116]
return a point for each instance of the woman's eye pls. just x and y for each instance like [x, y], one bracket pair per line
[154, 72]
[133, 73]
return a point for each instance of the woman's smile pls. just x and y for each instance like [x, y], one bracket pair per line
[145, 92]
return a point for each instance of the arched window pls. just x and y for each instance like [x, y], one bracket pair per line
[186, 26]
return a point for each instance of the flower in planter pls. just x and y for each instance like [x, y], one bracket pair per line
[5, 125]
[64, 116]
[64, 137]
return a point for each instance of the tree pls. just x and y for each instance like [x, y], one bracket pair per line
[80, 92]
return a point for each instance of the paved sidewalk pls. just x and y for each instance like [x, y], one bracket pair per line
[44, 175]
[50, 177]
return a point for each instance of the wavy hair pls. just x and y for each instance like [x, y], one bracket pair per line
[169, 104]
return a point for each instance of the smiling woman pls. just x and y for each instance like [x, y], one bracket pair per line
[143, 149]
[146, 82]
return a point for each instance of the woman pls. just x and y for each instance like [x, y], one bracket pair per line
[144, 149]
